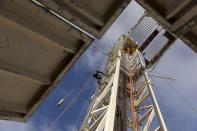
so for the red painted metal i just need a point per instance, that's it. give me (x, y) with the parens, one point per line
(133, 108)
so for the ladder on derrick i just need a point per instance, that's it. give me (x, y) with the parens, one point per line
(112, 101)
(124, 99)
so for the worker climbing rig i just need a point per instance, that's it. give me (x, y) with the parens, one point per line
(124, 98)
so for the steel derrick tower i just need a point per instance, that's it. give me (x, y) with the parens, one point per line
(124, 99)
(118, 103)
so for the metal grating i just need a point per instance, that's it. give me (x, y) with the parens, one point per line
(178, 17)
(155, 47)
(152, 39)
(143, 29)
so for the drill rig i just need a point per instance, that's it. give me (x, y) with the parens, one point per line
(124, 99)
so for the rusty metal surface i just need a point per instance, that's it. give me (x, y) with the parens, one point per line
(37, 48)
(177, 16)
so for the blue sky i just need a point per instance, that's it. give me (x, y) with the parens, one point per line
(179, 109)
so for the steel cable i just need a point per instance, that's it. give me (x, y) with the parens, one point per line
(164, 105)
(70, 104)
(180, 95)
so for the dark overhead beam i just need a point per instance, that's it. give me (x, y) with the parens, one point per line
(32, 76)
(33, 19)
(187, 26)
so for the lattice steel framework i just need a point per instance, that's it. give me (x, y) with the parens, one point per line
(110, 109)
(125, 99)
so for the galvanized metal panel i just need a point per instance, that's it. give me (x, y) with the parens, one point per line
(155, 47)
(177, 16)
(159, 41)
(37, 48)
(143, 29)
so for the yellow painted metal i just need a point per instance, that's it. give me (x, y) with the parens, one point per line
(130, 46)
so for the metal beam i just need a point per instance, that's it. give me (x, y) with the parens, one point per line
(155, 104)
(82, 9)
(97, 122)
(150, 119)
(45, 7)
(24, 74)
(110, 118)
(18, 13)
(154, 100)
(176, 10)
(117, 111)
(98, 111)
(12, 107)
